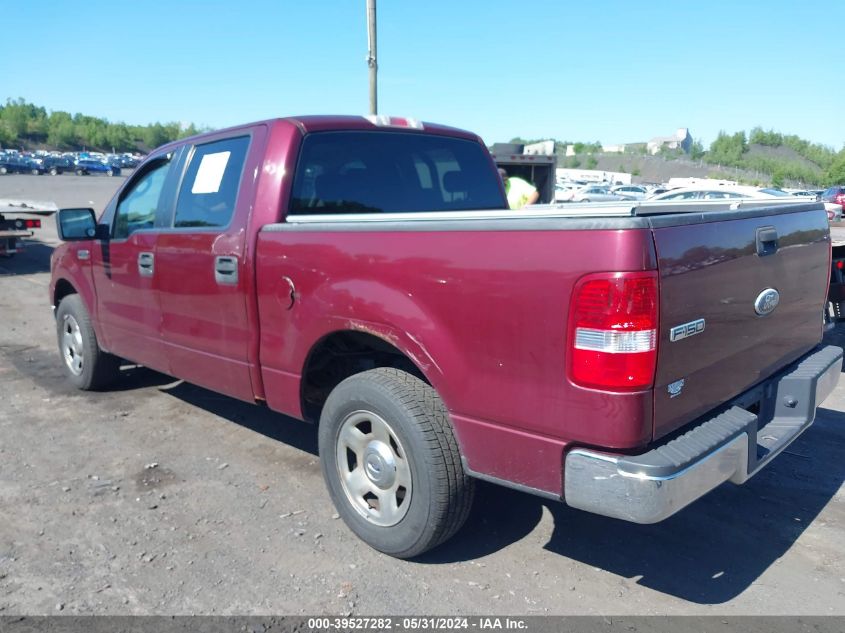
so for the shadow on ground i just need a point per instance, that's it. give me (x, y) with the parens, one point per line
(708, 553)
(275, 426)
(33, 258)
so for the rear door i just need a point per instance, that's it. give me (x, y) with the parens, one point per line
(739, 298)
(204, 279)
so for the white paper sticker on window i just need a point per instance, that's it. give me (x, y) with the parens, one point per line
(210, 173)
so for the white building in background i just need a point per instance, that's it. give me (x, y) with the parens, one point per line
(681, 140)
(592, 175)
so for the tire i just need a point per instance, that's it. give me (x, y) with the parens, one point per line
(585, 200)
(34, 172)
(86, 365)
(393, 430)
(111, 172)
(54, 171)
(4, 170)
(80, 172)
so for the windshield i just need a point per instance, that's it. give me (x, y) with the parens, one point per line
(393, 172)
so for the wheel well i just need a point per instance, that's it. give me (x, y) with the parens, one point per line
(63, 289)
(340, 355)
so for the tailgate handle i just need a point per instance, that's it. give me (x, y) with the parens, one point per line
(767, 241)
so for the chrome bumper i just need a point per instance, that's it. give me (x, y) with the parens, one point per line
(732, 446)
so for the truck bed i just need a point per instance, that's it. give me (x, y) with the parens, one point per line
(481, 301)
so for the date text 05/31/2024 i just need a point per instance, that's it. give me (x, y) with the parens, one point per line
(416, 623)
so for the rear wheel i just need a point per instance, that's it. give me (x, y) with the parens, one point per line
(34, 172)
(85, 364)
(392, 464)
(54, 171)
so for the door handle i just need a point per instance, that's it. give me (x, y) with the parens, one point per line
(146, 264)
(226, 270)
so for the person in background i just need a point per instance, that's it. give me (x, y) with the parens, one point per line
(519, 192)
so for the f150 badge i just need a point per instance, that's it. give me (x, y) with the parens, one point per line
(675, 388)
(686, 330)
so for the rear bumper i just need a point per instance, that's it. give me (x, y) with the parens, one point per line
(733, 445)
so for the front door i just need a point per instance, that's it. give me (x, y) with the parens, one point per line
(126, 273)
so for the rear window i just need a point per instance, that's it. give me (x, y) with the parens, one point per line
(393, 172)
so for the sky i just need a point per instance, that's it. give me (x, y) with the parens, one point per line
(608, 71)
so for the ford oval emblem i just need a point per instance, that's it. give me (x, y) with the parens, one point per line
(766, 301)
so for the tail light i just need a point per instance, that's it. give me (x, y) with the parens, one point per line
(28, 224)
(613, 331)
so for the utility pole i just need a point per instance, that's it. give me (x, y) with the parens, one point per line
(372, 60)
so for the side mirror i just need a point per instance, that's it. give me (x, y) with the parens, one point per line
(78, 224)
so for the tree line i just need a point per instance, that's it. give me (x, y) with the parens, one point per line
(24, 124)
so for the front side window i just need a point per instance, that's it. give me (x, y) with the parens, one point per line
(393, 172)
(137, 207)
(210, 187)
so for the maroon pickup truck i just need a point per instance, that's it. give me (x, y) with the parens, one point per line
(365, 274)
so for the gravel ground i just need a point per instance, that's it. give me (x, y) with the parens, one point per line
(161, 497)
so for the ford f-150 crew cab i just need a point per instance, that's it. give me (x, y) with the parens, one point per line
(364, 273)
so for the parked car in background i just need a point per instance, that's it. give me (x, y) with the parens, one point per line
(700, 193)
(835, 194)
(126, 162)
(55, 165)
(597, 193)
(833, 207)
(834, 210)
(631, 191)
(20, 164)
(85, 166)
(565, 191)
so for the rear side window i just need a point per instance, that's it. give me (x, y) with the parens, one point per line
(393, 172)
(210, 186)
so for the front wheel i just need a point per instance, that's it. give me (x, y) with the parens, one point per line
(85, 364)
(392, 464)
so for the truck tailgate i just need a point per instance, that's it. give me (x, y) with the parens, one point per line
(711, 276)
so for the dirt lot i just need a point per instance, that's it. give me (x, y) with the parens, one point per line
(161, 497)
